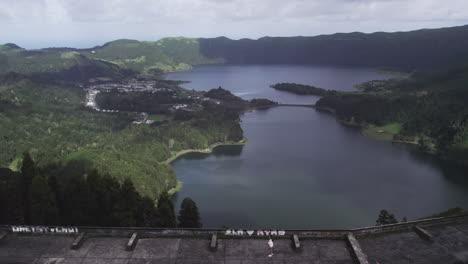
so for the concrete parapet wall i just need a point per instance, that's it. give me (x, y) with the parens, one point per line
(286, 234)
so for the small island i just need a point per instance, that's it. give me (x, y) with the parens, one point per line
(300, 89)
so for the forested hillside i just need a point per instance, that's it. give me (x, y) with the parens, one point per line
(426, 48)
(167, 54)
(420, 49)
(430, 109)
(42, 196)
(53, 124)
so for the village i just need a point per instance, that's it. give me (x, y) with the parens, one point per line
(177, 93)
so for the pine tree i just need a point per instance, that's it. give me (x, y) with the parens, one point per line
(166, 211)
(96, 191)
(128, 203)
(147, 213)
(76, 203)
(43, 205)
(189, 216)
(386, 218)
(28, 170)
(11, 197)
(56, 189)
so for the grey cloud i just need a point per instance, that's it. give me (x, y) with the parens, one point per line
(84, 21)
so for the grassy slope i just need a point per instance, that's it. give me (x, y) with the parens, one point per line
(52, 123)
(384, 133)
(168, 54)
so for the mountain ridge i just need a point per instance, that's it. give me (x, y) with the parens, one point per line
(409, 50)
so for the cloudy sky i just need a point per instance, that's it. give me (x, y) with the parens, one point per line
(86, 23)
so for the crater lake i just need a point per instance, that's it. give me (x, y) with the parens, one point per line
(300, 168)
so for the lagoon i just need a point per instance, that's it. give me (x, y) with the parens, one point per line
(301, 168)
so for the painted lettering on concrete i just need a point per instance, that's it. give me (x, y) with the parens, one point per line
(233, 232)
(44, 229)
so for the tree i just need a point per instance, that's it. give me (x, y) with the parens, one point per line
(77, 203)
(11, 197)
(127, 204)
(189, 216)
(386, 218)
(147, 213)
(166, 211)
(109, 192)
(43, 204)
(56, 190)
(28, 170)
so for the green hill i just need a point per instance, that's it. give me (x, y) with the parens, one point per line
(52, 123)
(114, 59)
(426, 48)
(168, 54)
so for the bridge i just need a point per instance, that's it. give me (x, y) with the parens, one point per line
(437, 240)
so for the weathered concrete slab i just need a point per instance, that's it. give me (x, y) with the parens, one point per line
(246, 249)
(151, 261)
(463, 228)
(154, 248)
(309, 250)
(334, 250)
(59, 247)
(397, 244)
(199, 249)
(450, 237)
(403, 248)
(59, 261)
(23, 246)
(103, 261)
(17, 260)
(106, 247)
(199, 261)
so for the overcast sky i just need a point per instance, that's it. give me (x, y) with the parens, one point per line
(86, 23)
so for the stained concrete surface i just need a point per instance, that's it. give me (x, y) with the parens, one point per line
(55, 249)
(449, 245)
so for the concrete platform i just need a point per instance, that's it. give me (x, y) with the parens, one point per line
(388, 244)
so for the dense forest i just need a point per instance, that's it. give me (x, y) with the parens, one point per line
(53, 124)
(300, 89)
(425, 48)
(431, 108)
(42, 196)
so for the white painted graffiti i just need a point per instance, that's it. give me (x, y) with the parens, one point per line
(44, 229)
(232, 232)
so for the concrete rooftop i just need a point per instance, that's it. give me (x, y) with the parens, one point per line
(441, 241)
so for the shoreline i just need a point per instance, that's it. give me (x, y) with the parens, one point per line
(207, 150)
(363, 128)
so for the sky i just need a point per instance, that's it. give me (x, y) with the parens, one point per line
(87, 23)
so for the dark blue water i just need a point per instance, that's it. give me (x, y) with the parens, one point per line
(253, 81)
(302, 169)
